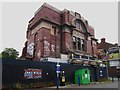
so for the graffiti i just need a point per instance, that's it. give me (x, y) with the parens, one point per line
(30, 49)
(67, 46)
(53, 48)
(57, 49)
(32, 73)
(39, 54)
(49, 47)
(46, 48)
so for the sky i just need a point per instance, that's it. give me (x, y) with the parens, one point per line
(103, 16)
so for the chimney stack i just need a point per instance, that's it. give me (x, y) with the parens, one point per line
(103, 40)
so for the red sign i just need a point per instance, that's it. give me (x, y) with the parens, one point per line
(32, 73)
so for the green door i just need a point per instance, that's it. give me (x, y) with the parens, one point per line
(77, 73)
(84, 75)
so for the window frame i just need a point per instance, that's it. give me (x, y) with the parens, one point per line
(78, 45)
(53, 31)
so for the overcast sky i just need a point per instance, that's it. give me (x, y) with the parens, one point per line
(103, 16)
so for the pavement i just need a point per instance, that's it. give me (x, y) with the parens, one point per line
(109, 84)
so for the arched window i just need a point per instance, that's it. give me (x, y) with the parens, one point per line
(80, 35)
(80, 25)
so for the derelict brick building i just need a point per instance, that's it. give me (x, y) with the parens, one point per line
(54, 33)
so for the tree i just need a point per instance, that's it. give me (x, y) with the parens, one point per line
(9, 53)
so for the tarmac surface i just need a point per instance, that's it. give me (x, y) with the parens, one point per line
(114, 84)
(92, 86)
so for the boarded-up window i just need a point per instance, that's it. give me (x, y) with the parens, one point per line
(53, 31)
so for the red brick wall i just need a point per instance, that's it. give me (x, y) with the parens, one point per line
(67, 42)
(91, 31)
(66, 17)
(44, 35)
(71, 17)
(95, 49)
(49, 13)
(89, 48)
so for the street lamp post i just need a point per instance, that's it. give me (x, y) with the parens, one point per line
(57, 72)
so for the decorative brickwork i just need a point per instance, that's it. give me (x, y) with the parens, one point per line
(52, 32)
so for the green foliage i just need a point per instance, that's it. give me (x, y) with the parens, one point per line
(18, 86)
(9, 53)
(114, 56)
(104, 80)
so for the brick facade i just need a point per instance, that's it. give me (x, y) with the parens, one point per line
(52, 32)
(103, 47)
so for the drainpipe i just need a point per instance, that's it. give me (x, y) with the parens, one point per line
(55, 43)
(61, 34)
(43, 48)
(34, 46)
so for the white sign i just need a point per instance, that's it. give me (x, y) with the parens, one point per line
(32, 73)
